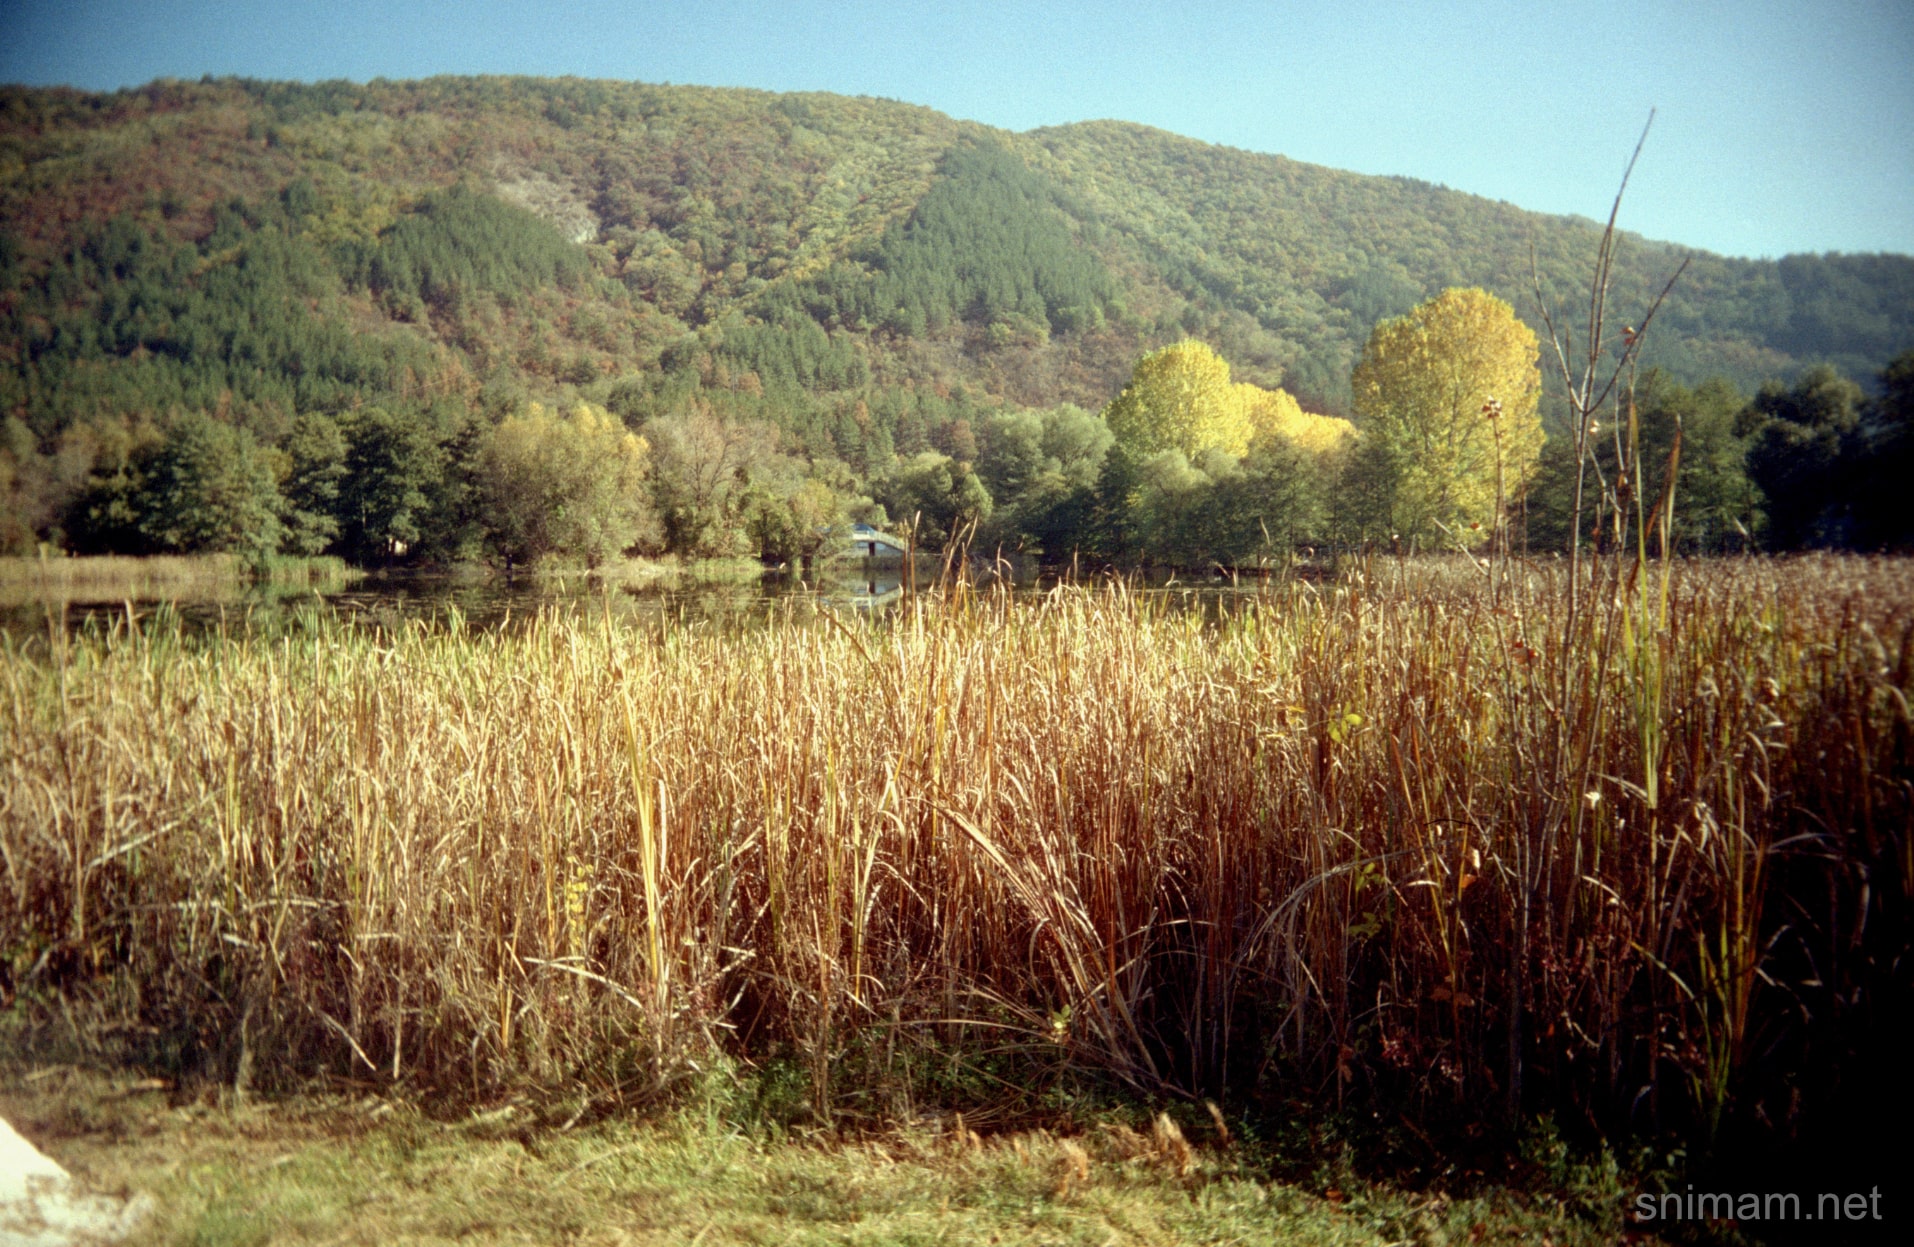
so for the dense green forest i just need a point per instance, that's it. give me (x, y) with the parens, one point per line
(282, 317)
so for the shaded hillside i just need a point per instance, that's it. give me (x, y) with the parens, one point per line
(864, 276)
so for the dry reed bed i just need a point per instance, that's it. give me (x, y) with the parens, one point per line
(44, 582)
(1406, 833)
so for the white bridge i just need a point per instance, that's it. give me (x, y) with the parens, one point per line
(865, 542)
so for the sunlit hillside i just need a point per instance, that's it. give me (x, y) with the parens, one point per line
(923, 242)
(361, 275)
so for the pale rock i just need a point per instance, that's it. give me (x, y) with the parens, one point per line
(41, 1205)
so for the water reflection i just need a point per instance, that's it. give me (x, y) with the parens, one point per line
(483, 600)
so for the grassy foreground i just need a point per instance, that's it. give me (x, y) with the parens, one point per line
(1636, 854)
(340, 1169)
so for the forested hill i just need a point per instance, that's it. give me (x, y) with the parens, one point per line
(861, 274)
(1315, 256)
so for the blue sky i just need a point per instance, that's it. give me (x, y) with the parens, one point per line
(1782, 126)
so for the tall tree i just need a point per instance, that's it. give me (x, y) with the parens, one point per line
(1040, 467)
(394, 465)
(1799, 440)
(211, 488)
(314, 455)
(701, 466)
(1180, 398)
(1716, 506)
(565, 485)
(939, 495)
(1447, 398)
(1275, 415)
(1887, 509)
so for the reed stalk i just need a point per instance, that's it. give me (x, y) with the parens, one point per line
(1344, 842)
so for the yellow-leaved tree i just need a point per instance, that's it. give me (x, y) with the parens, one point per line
(566, 485)
(1206, 469)
(1180, 398)
(1446, 399)
(1277, 414)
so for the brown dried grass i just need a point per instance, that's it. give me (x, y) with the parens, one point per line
(1404, 832)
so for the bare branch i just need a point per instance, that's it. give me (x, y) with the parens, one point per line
(1633, 349)
(1605, 257)
(1548, 322)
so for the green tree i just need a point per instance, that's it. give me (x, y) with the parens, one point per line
(1237, 512)
(1170, 504)
(1446, 397)
(394, 465)
(941, 495)
(701, 467)
(789, 524)
(210, 488)
(100, 515)
(1800, 439)
(314, 455)
(1040, 467)
(791, 509)
(1258, 510)
(1716, 505)
(1886, 463)
(1371, 477)
(565, 485)
(32, 493)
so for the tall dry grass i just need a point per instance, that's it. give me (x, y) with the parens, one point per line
(1410, 833)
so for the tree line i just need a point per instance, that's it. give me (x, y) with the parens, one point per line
(1186, 466)
(881, 298)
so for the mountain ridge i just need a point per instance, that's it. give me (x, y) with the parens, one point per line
(862, 275)
(1069, 142)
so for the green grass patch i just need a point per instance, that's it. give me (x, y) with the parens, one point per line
(355, 1168)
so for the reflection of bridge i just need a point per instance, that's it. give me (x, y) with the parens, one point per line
(870, 594)
(866, 542)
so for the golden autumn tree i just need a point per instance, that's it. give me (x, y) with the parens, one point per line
(1204, 468)
(1277, 414)
(1446, 397)
(1180, 398)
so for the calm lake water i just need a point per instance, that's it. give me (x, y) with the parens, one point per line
(383, 601)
